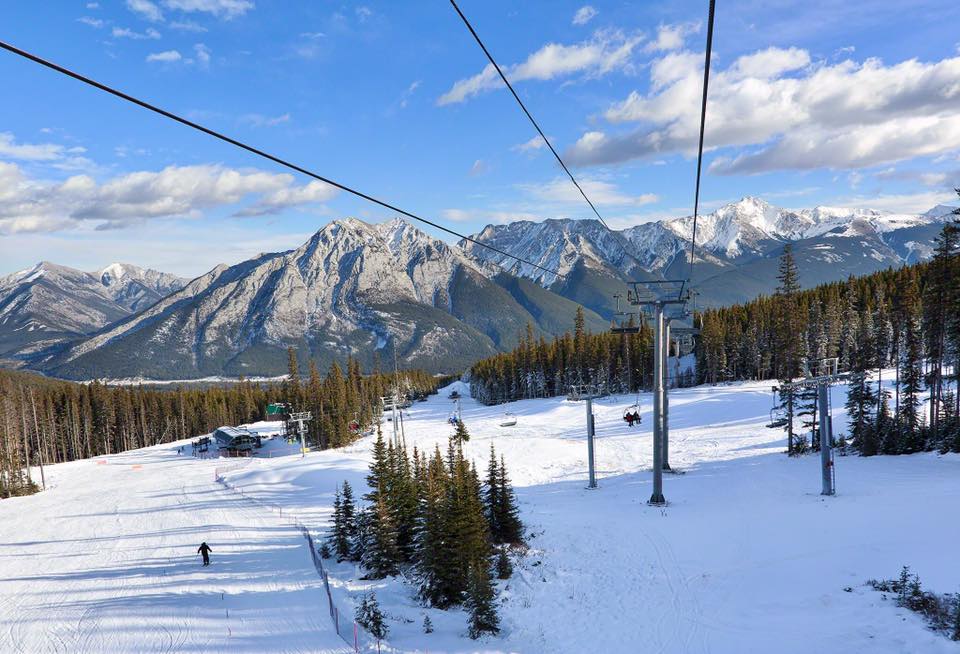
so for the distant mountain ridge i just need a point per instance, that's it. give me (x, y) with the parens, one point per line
(369, 291)
(48, 303)
(379, 291)
(735, 245)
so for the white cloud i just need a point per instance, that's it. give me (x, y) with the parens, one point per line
(187, 26)
(408, 93)
(260, 120)
(313, 193)
(601, 193)
(457, 215)
(898, 203)
(671, 37)
(796, 114)
(606, 51)
(479, 167)
(202, 54)
(96, 23)
(363, 13)
(226, 9)
(534, 144)
(145, 9)
(29, 151)
(93, 5)
(167, 56)
(28, 204)
(125, 33)
(584, 15)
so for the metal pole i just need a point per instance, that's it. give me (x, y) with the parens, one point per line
(826, 437)
(656, 497)
(396, 440)
(590, 461)
(665, 429)
(303, 440)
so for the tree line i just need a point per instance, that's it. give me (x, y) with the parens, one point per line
(431, 515)
(906, 319)
(620, 363)
(44, 421)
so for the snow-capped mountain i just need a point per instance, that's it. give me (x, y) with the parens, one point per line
(137, 288)
(352, 289)
(737, 240)
(49, 303)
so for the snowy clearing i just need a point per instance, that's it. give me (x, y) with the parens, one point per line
(747, 556)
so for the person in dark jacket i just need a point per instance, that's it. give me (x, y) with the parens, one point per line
(205, 550)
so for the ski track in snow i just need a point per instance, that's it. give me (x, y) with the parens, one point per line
(746, 557)
(105, 561)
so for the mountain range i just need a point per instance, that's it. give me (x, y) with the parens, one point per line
(390, 291)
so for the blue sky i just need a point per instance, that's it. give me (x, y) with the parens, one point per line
(811, 103)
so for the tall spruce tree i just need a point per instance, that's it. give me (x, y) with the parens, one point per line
(481, 601)
(910, 375)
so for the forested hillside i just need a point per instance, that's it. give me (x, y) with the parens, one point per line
(907, 319)
(49, 421)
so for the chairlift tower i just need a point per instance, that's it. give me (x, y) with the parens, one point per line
(588, 392)
(302, 418)
(657, 296)
(827, 375)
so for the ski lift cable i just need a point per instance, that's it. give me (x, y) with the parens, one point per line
(703, 118)
(261, 153)
(536, 126)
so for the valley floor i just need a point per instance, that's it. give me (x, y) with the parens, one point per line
(747, 556)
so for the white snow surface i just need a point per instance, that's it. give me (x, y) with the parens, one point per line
(747, 556)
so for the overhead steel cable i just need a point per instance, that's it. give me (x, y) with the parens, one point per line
(266, 155)
(703, 120)
(623, 242)
(527, 112)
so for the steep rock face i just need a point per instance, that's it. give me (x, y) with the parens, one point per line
(48, 303)
(137, 288)
(370, 291)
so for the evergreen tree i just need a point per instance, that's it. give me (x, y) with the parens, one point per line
(370, 617)
(504, 567)
(427, 625)
(910, 373)
(492, 496)
(460, 433)
(508, 513)
(481, 601)
(860, 405)
(381, 556)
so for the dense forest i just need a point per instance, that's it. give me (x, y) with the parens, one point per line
(45, 421)
(906, 319)
(431, 517)
(621, 363)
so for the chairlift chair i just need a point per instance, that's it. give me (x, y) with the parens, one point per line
(632, 410)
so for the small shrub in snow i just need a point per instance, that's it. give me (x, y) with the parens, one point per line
(942, 612)
(427, 625)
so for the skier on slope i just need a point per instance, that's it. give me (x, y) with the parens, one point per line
(205, 550)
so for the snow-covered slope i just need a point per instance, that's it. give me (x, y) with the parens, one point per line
(747, 556)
